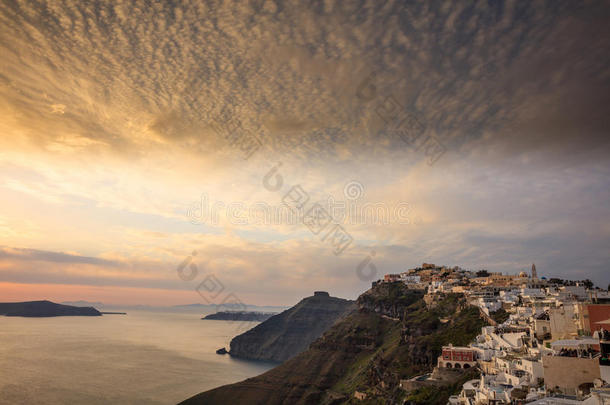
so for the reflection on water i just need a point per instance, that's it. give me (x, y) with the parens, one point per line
(140, 358)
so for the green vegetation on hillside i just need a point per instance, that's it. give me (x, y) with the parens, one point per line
(411, 346)
(500, 315)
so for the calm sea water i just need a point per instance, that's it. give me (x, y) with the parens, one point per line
(140, 358)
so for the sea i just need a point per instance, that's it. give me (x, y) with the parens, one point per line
(144, 357)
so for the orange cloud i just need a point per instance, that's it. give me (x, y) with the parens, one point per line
(105, 294)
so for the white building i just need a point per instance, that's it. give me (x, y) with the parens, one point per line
(409, 279)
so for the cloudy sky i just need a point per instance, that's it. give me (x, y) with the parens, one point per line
(459, 133)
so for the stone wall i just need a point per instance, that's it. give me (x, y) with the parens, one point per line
(568, 373)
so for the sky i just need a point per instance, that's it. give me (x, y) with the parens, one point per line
(197, 152)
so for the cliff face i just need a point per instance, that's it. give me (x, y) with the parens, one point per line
(44, 309)
(392, 336)
(286, 334)
(389, 299)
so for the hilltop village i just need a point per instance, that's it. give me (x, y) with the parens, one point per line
(547, 341)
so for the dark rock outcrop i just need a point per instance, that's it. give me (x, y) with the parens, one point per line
(286, 334)
(389, 299)
(37, 309)
(239, 316)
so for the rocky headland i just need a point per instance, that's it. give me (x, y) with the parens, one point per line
(287, 334)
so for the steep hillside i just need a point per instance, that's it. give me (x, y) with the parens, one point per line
(287, 334)
(393, 336)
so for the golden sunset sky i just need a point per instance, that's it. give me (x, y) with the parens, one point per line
(108, 143)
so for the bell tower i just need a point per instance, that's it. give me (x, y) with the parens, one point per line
(534, 274)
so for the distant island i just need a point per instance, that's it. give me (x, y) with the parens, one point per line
(239, 316)
(39, 309)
